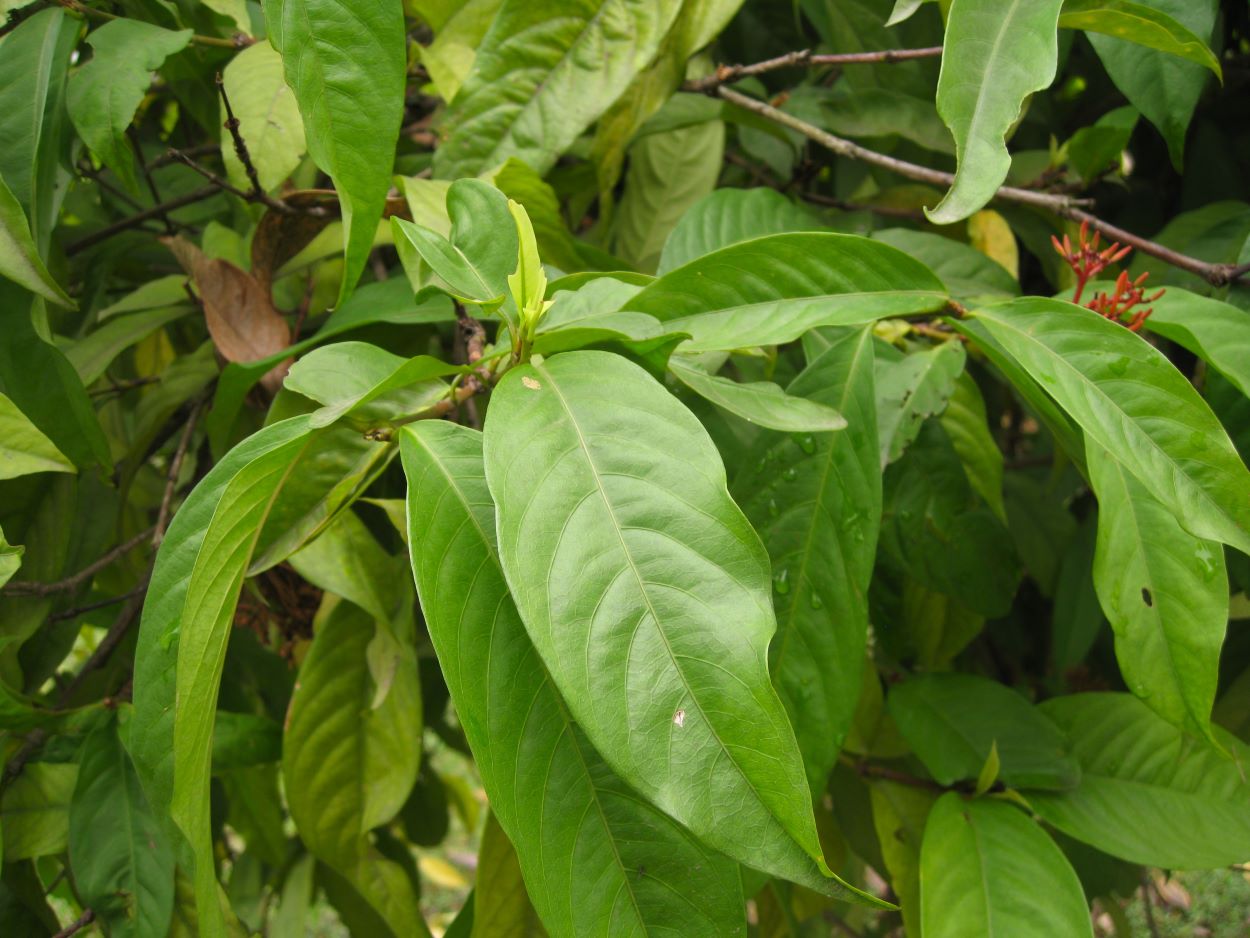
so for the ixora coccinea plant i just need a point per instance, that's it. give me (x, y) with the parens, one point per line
(485, 470)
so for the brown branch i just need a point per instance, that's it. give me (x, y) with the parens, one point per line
(803, 59)
(134, 221)
(237, 41)
(1062, 205)
(885, 773)
(92, 607)
(204, 149)
(240, 145)
(82, 922)
(212, 177)
(71, 583)
(147, 175)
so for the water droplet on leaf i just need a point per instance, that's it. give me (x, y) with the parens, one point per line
(781, 581)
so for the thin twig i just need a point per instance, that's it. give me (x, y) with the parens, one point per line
(121, 387)
(211, 176)
(1063, 205)
(885, 773)
(71, 583)
(112, 638)
(257, 192)
(1149, 908)
(134, 221)
(238, 41)
(171, 479)
(82, 922)
(804, 58)
(147, 175)
(204, 149)
(91, 607)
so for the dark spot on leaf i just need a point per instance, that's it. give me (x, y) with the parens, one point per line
(1146, 597)
(642, 871)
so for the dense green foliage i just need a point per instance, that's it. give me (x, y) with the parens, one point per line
(769, 484)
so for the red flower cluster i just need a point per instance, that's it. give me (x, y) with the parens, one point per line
(1087, 262)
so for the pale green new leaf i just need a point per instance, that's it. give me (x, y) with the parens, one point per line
(123, 862)
(899, 813)
(986, 869)
(816, 502)
(668, 173)
(1165, 593)
(10, 559)
(759, 402)
(185, 627)
(349, 760)
(1130, 399)
(1135, 765)
(449, 58)
(346, 62)
(23, 449)
(268, 116)
(544, 72)
(19, 258)
(648, 596)
(1138, 23)
(996, 53)
(104, 94)
(953, 721)
(550, 790)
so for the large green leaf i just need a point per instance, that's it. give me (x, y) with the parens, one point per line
(19, 258)
(899, 813)
(668, 173)
(1136, 766)
(23, 449)
(548, 787)
(186, 624)
(499, 902)
(34, 811)
(543, 73)
(1165, 593)
(93, 353)
(449, 57)
(656, 635)
(123, 862)
(268, 116)
(1131, 400)
(346, 62)
(1218, 333)
(1164, 87)
(987, 869)
(1139, 23)
(350, 759)
(968, 274)
(104, 94)
(952, 721)
(996, 53)
(816, 502)
(967, 425)
(759, 402)
(728, 216)
(10, 559)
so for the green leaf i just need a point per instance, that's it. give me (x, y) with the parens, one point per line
(1138, 23)
(585, 316)
(1077, 616)
(885, 112)
(1130, 399)
(19, 258)
(624, 496)
(242, 740)
(989, 772)
(986, 869)
(543, 73)
(34, 812)
(528, 282)
(268, 116)
(34, 63)
(1163, 87)
(500, 905)
(347, 65)
(531, 754)
(23, 449)
(816, 502)
(911, 389)
(1165, 593)
(728, 216)
(123, 863)
(104, 94)
(953, 721)
(186, 623)
(93, 353)
(1136, 765)
(449, 58)
(759, 402)
(1094, 149)
(1218, 333)
(967, 426)
(668, 173)
(350, 760)
(10, 559)
(996, 53)
(899, 813)
(967, 273)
